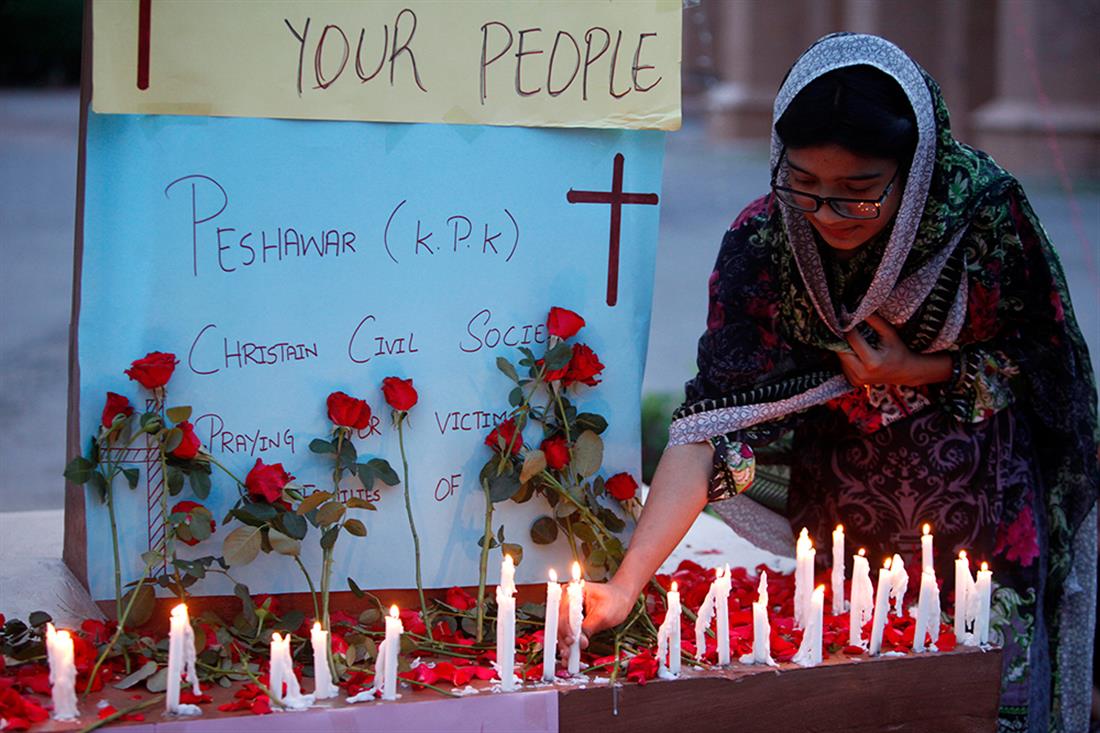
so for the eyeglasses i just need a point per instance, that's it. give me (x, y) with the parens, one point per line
(849, 208)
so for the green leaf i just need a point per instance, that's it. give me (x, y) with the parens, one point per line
(311, 502)
(544, 531)
(381, 468)
(150, 422)
(506, 366)
(179, 414)
(492, 542)
(559, 356)
(99, 484)
(591, 421)
(355, 527)
(503, 487)
(515, 397)
(565, 509)
(587, 454)
(132, 475)
(79, 470)
(151, 558)
(365, 474)
(241, 546)
(158, 681)
(330, 513)
(598, 558)
(358, 502)
(174, 480)
(282, 544)
(200, 483)
(254, 513)
(200, 523)
(355, 588)
(291, 524)
(39, 618)
(328, 539)
(172, 439)
(533, 464)
(516, 551)
(248, 607)
(145, 602)
(144, 672)
(317, 445)
(500, 533)
(290, 621)
(348, 454)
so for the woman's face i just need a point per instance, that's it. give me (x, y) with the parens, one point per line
(830, 170)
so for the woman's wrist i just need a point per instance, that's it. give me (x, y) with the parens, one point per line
(932, 369)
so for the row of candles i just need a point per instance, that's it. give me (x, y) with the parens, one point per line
(972, 609)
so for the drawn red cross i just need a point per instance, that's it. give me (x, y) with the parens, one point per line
(616, 198)
(145, 12)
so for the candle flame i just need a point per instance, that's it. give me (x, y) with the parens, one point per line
(962, 554)
(674, 587)
(553, 575)
(886, 564)
(180, 611)
(394, 613)
(50, 630)
(927, 528)
(508, 559)
(804, 534)
(316, 626)
(576, 571)
(840, 528)
(862, 551)
(985, 566)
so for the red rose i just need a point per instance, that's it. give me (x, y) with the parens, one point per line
(266, 482)
(116, 405)
(153, 370)
(563, 323)
(557, 452)
(584, 367)
(187, 507)
(622, 486)
(554, 374)
(502, 435)
(190, 445)
(399, 393)
(348, 412)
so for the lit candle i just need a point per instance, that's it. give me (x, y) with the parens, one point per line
(863, 601)
(394, 629)
(723, 585)
(838, 570)
(761, 629)
(803, 577)
(506, 625)
(59, 652)
(575, 592)
(809, 652)
(984, 591)
(550, 634)
(899, 584)
(668, 637)
(928, 613)
(882, 607)
(181, 662)
(926, 549)
(323, 689)
(283, 683)
(963, 582)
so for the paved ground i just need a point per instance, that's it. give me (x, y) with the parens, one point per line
(705, 185)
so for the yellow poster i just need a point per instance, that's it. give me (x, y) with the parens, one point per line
(544, 63)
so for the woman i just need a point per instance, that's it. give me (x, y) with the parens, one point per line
(895, 306)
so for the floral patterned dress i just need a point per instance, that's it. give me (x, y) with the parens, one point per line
(1001, 460)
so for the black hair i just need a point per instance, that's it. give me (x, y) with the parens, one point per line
(859, 108)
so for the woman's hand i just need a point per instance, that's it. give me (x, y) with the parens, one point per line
(891, 362)
(605, 605)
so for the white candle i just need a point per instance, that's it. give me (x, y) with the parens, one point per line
(575, 592)
(899, 584)
(928, 613)
(803, 577)
(809, 652)
(723, 585)
(506, 625)
(838, 570)
(668, 637)
(863, 601)
(702, 621)
(761, 628)
(882, 607)
(281, 674)
(394, 629)
(323, 689)
(181, 662)
(550, 634)
(926, 549)
(59, 653)
(963, 582)
(984, 591)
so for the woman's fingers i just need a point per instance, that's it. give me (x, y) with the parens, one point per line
(884, 329)
(853, 368)
(860, 346)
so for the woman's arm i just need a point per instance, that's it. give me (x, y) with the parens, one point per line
(677, 495)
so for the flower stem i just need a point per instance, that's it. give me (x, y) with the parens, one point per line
(424, 610)
(312, 592)
(114, 541)
(122, 713)
(484, 563)
(118, 631)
